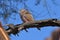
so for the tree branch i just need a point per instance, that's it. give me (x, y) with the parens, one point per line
(35, 24)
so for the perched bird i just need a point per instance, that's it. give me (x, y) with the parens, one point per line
(26, 16)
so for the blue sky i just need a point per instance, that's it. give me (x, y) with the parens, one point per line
(40, 12)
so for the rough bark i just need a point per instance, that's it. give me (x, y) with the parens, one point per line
(35, 24)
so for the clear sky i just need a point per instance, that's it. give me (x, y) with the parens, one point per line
(40, 12)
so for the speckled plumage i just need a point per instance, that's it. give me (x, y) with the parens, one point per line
(26, 16)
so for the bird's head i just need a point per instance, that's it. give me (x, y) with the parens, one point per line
(23, 11)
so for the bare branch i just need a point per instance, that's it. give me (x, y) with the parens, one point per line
(35, 24)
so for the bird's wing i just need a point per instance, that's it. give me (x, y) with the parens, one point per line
(28, 17)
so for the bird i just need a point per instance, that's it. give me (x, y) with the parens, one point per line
(26, 16)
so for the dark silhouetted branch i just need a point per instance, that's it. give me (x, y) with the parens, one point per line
(35, 24)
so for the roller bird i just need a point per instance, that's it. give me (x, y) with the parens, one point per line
(26, 16)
